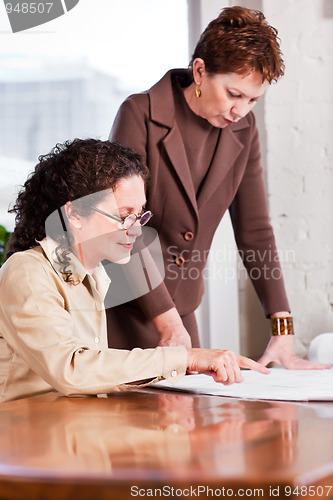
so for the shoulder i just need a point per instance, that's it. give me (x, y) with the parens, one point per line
(26, 257)
(25, 266)
(134, 105)
(28, 278)
(161, 92)
(140, 100)
(148, 112)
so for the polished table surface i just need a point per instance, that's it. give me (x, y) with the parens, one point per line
(181, 445)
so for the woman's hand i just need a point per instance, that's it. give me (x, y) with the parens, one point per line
(171, 329)
(223, 366)
(281, 350)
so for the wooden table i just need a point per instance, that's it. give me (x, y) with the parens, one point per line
(183, 445)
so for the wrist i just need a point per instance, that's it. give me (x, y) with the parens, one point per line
(280, 314)
(191, 359)
(282, 325)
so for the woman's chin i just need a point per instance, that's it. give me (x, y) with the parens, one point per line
(123, 260)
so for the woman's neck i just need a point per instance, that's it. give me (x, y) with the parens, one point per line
(191, 99)
(88, 263)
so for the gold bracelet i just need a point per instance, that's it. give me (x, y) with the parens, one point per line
(282, 326)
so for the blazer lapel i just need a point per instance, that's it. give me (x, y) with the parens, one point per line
(162, 111)
(175, 149)
(228, 149)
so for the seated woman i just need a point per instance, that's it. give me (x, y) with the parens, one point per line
(84, 203)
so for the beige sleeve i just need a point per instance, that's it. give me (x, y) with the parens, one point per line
(44, 335)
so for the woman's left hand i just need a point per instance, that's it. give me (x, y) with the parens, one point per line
(281, 350)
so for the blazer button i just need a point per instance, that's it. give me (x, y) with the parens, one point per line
(188, 236)
(180, 261)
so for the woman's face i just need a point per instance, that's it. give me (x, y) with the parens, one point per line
(225, 98)
(99, 237)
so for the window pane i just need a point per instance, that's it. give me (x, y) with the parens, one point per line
(67, 78)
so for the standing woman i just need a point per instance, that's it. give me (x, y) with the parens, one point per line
(196, 132)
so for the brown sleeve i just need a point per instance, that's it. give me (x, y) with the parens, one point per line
(254, 234)
(130, 125)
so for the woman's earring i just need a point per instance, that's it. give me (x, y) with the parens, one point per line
(197, 92)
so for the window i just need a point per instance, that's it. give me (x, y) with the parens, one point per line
(67, 78)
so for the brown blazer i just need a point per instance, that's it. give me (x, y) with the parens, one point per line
(186, 224)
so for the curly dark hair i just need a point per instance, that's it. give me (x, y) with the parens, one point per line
(70, 171)
(239, 41)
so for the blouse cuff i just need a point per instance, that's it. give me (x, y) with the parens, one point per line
(174, 363)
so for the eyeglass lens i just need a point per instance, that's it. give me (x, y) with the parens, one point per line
(132, 218)
(145, 218)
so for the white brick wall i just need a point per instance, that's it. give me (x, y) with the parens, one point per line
(299, 157)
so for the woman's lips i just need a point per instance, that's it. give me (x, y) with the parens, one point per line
(128, 246)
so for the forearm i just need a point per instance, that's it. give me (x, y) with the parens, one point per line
(167, 320)
(255, 237)
(171, 330)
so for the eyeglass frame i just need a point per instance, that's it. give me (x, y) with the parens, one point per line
(122, 220)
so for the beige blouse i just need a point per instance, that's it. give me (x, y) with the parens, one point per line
(53, 333)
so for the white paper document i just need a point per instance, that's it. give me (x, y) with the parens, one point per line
(280, 384)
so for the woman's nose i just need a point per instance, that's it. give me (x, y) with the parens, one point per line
(135, 230)
(241, 109)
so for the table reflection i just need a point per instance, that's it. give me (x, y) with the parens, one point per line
(148, 430)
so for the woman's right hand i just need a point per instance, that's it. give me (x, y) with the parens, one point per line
(224, 366)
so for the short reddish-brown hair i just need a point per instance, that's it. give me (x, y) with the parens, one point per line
(240, 41)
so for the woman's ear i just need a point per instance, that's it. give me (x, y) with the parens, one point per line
(73, 218)
(198, 70)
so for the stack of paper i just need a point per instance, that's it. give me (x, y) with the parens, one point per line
(280, 384)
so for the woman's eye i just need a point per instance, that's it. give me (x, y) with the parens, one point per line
(233, 95)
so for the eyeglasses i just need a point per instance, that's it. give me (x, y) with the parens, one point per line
(128, 221)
